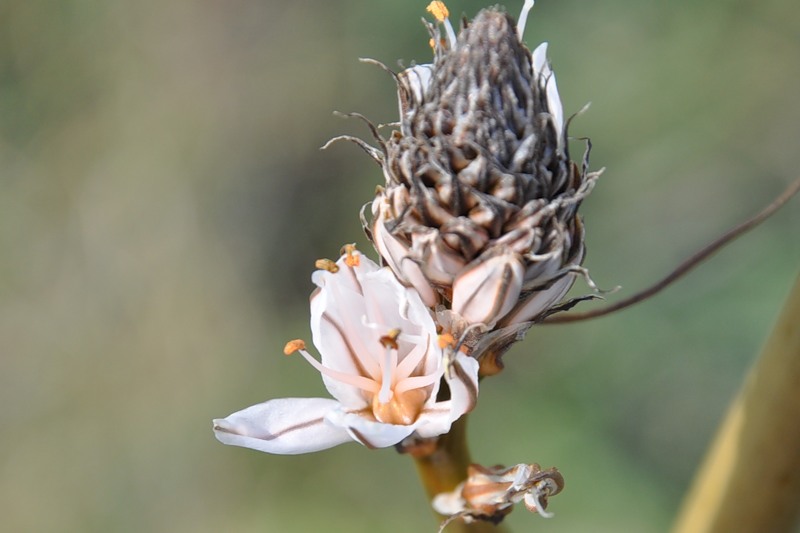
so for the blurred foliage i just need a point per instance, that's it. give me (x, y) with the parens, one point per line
(162, 199)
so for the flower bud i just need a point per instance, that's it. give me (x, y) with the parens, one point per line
(487, 290)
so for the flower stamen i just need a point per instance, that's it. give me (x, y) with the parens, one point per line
(446, 340)
(441, 14)
(361, 382)
(326, 264)
(293, 346)
(351, 255)
(389, 341)
(415, 382)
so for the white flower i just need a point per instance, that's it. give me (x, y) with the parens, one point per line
(380, 360)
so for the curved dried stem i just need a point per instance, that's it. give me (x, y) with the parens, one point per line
(682, 269)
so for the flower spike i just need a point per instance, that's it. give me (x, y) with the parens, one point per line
(479, 209)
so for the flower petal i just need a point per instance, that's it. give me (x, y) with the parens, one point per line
(370, 433)
(541, 67)
(284, 426)
(396, 255)
(412, 84)
(462, 378)
(337, 331)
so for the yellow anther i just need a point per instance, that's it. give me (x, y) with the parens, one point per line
(293, 346)
(446, 340)
(390, 339)
(351, 255)
(326, 264)
(432, 43)
(438, 10)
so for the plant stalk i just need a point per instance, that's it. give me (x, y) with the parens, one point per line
(442, 469)
(750, 480)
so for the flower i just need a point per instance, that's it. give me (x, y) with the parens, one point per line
(380, 359)
(490, 493)
(479, 208)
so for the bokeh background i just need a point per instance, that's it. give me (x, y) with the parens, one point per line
(163, 198)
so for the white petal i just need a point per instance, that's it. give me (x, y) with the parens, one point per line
(338, 338)
(417, 79)
(368, 432)
(487, 290)
(386, 301)
(396, 255)
(541, 67)
(523, 18)
(345, 344)
(540, 59)
(284, 426)
(462, 377)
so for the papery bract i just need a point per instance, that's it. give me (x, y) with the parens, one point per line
(490, 493)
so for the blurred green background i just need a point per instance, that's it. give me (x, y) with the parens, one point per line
(163, 198)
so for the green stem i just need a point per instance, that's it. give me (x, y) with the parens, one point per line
(750, 481)
(443, 468)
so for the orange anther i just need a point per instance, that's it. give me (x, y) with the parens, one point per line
(446, 340)
(390, 339)
(438, 10)
(326, 264)
(351, 255)
(293, 346)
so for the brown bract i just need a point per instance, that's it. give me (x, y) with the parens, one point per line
(479, 208)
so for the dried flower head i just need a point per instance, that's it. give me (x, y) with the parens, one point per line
(479, 208)
(490, 493)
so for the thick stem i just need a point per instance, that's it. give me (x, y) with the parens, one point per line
(444, 468)
(750, 481)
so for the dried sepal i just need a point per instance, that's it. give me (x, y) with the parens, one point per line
(490, 493)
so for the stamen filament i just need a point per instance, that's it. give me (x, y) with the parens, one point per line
(412, 358)
(360, 382)
(389, 364)
(415, 382)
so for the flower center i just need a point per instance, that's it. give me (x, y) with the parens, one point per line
(403, 409)
(396, 396)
